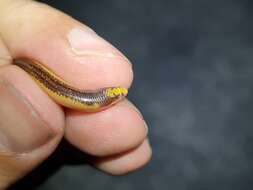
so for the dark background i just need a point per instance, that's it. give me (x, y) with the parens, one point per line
(194, 84)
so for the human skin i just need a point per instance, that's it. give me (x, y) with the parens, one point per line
(32, 124)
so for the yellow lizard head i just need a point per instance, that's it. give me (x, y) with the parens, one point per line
(116, 92)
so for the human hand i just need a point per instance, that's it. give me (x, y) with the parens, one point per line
(32, 124)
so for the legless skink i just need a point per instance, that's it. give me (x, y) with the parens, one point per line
(66, 95)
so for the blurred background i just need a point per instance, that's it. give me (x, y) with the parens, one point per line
(193, 63)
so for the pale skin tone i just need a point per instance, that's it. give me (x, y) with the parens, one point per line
(32, 124)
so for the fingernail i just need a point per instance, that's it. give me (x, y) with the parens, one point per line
(86, 42)
(146, 126)
(144, 122)
(21, 128)
(139, 113)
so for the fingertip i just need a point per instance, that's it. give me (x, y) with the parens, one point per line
(126, 162)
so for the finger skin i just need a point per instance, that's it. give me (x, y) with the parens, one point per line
(109, 132)
(14, 167)
(125, 162)
(5, 57)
